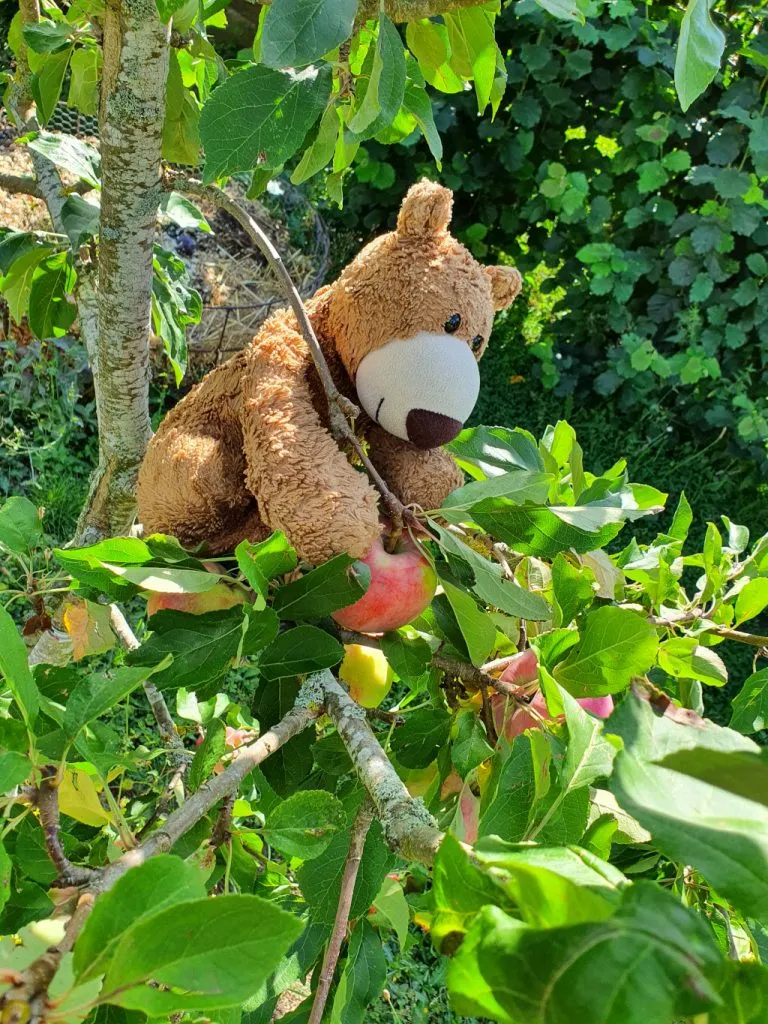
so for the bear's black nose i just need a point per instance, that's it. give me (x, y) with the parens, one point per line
(430, 429)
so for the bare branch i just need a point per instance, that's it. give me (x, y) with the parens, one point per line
(165, 723)
(48, 808)
(411, 10)
(362, 823)
(340, 408)
(21, 184)
(408, 826)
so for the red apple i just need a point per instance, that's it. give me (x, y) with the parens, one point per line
(214, 600)
(402, 585)
(524, 669)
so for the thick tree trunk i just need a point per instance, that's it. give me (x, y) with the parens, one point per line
(131, 124)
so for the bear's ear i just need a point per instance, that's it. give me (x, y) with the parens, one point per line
(426, 209)
(505, 285)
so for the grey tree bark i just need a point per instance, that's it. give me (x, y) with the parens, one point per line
(130, 125)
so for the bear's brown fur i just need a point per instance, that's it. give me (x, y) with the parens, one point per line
(248, 449)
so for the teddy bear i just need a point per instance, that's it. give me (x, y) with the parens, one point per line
(249, 451)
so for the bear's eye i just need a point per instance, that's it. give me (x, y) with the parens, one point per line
(453, 323)
(477, 342)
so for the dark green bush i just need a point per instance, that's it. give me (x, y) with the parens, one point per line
(647, 226)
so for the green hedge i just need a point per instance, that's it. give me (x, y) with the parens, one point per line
(647, 226)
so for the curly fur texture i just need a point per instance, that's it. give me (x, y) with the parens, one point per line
(248, 449)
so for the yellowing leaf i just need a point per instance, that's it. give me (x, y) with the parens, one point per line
(79, 798)
(88, 627)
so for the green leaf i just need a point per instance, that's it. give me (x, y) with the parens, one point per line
(47, 82)
(552, 886)
(508, 813)
(14, 769)
(567, 10)
(408, 656)
(573, 589)
(425, 732)
(165, 579)
(167, 8)
(520, 486)
(683, 658)
(181, 126)
(335, 584)
(80, 218)
(260, 116)
(737, 771)
(539, 531)
(182, 211)
(304, 824)
(491, 451)
(85, 73)
(208, 754)
(392, 904)
(682, 519)
(363, 976)
(297, 32)
(119, 550)
(723, 836)
(46, 36)
(321, 151)
(17, 282)
(459, 890)
(299, 651)
(80, 158)
(470, 746)
(146, 889)
(653, 959)
(320, 878)
(752, 599)
(428, 42)
(15, 670)
(744, 995)
(699, 52)
(15, 244)
(473, 48)
(489, 583)
(417, 103)
(202, 645)
(20, 526)
(218, 952)
(96, 694)
(384, 95)
(616, 645)
(476, 626)
(749, 709)
(51, 314)
(6, 867)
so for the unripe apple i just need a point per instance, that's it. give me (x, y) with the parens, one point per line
(402, 585)
(366, 672)
(218, 598)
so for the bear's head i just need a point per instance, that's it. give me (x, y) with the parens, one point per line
(411, 316)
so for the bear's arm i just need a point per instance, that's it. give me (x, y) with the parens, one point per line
(417, 477)
(301, 479)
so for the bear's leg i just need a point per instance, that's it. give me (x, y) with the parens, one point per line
(418, 477)
(192, 486)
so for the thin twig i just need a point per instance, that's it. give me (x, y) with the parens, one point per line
(48, 808)
(222, 828)
(27, 184)
(165, 723)
(362, 823)
(340, 408)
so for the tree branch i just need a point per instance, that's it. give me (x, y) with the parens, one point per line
(408, 826)
(339, 407)
(411, 10)
(48, 808)
(25, 1000)
(360, 828)
(165, 723)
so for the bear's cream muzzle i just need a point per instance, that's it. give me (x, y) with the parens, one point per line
(421, 389)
